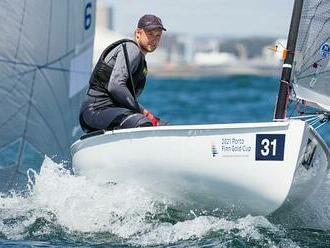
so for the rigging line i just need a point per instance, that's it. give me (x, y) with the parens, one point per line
(310, 23)
(294, 110)
(314, 121)
(321, 125)
(307, 117)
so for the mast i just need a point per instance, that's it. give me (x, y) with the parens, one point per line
(284, 91)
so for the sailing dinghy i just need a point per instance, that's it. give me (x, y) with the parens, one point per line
(253, 168)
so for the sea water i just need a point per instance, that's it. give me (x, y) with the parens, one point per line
(63, 210)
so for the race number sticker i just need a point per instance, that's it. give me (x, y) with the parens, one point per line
(270, 147)
(237, 145)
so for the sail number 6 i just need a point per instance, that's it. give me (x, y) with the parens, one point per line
(88, 15)
(270, 147)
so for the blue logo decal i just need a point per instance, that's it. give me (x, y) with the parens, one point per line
(270, 147)
(325, 50)
(214, 150)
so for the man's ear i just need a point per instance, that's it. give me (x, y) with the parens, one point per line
(138, 32)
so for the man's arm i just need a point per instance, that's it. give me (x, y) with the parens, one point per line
(117, 84)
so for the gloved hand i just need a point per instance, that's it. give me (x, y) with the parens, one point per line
(154, 120)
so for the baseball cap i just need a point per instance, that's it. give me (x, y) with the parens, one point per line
(150, 22)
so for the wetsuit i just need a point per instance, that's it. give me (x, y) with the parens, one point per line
(110, 102)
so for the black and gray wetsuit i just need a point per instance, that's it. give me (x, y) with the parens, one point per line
(110, 102)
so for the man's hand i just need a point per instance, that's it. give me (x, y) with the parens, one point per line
(154, 120)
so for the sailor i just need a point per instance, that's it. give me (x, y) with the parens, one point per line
(118, 80)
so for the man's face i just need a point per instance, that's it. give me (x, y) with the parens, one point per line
(148, 40)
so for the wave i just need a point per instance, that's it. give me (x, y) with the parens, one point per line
(68, 208)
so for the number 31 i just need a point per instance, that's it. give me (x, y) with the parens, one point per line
(267, 146)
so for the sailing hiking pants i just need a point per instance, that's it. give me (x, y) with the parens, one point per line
(111, 118)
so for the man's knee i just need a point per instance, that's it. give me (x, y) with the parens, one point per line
(135, 120)
(144, 122)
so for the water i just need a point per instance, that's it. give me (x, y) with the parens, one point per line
(63, 210)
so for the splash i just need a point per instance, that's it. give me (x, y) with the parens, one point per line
(247, 228)
(78, 205)
(61, 206)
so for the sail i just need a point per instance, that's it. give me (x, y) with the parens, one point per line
(45, 63)
(311, 69)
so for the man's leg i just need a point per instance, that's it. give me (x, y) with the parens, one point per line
(135, 120)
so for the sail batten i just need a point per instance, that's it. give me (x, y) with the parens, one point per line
(311, 69)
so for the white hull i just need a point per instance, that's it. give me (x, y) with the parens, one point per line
(229, 166)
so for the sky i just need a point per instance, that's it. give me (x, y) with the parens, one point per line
(233, 18)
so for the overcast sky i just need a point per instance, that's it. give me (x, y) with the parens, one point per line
(200, 17)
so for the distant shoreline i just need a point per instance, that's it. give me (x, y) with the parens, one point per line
(184, 71)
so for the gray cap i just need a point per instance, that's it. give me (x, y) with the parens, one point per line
(150, 22)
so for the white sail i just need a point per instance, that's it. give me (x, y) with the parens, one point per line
(311, 71)
(45, 63)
